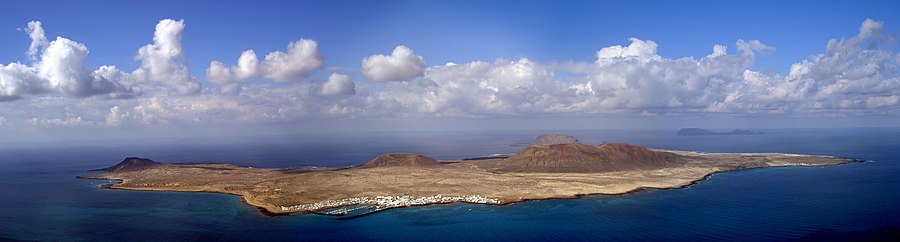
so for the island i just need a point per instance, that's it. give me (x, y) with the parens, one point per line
(550, 139)
(554, 139)
(562, 169)
(699, 131)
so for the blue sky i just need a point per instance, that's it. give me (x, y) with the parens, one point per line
(562, 38)
(457, 31)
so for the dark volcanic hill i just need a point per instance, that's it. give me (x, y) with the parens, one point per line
(131, 164)
(586, 158)
(401, 159)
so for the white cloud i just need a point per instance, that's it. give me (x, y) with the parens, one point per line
(871, 29)
(882, 101)
(475, 88)
(301, 59)
(218, 73)
(638, 49)
(17, 80)
(853, 76)
(38, 39)
(338, 84)
(153, 111)
(163, 61)
(401, 65)
(853, 73)
(752, 47)
(623, 80)
(116, 116)
(850, 71)
(631, 80)
(62, 64)
(718, 50)
(71, 121)
(58, 68)
(635, 78)
(248, 67)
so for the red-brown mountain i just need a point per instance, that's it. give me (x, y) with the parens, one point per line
(401, 159)
(586, 158)
(131, 164)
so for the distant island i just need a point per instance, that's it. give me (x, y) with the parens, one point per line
(699, 131)
(554, 139)
(550, 139)
(561, 169)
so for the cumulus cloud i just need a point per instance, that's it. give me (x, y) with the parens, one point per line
(38, 39)
(59, 67)
(62, 64)
(116, 115)
(638, 49)
(854, 75)
(752, 47)
(17, 79)
(636, 78)
(301, 59)
(338, 84)
(71, 121)
(247, 67)
(163, 61)
(401, 65)
(257, 103)
(478, 88)
(218, 73)
(856, 70)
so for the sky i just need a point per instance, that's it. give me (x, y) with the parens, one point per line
(98, 69)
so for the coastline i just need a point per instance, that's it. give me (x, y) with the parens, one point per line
(243, 199)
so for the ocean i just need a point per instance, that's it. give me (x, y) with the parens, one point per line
(41, 200)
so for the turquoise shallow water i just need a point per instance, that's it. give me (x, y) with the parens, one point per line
(41, 200)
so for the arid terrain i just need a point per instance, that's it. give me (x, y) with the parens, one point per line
(398, 180)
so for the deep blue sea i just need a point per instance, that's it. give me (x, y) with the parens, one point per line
(40, 199)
